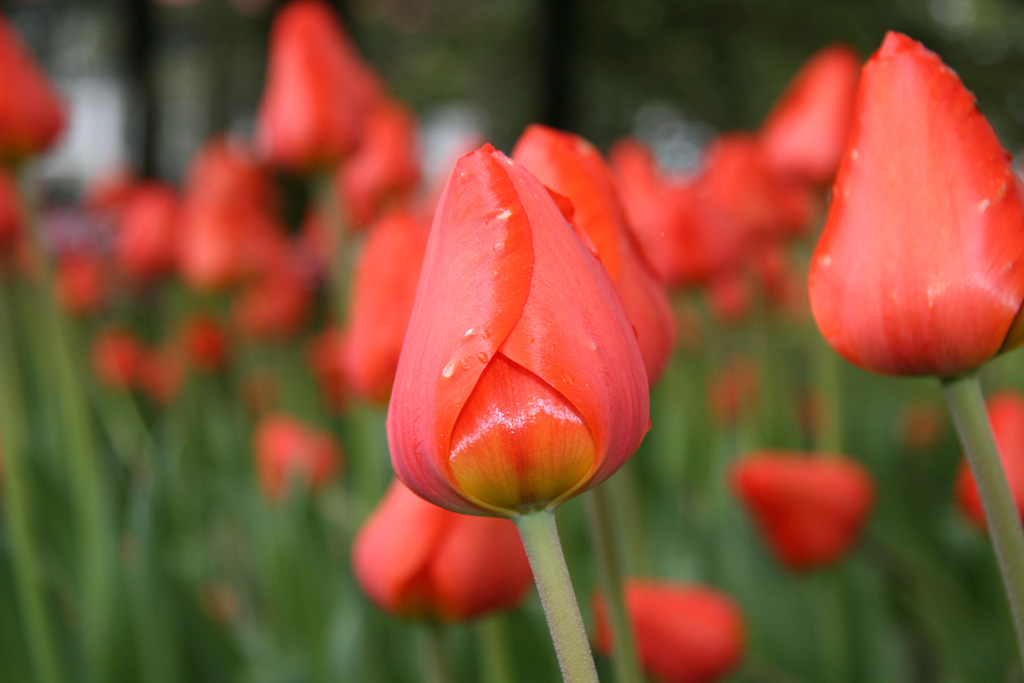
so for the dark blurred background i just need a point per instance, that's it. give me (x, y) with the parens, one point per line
(148, 81)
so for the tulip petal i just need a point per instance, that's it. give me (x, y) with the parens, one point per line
(920, 268)
(464, 310)
(606, 382)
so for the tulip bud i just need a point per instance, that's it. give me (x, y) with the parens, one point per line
(31, 113)
(287, 449)
(115, 358)
(810, 509)
(1006, 415)
(159, 373)
(572, 167)
(385, 167)
(383, 291)
(205, 342)
(804, 134)
(81, 286)
(686, 238)
(415, 559)
(147, 234)
(520, 382)
(318, 90)
(920, 267)
(684, 634)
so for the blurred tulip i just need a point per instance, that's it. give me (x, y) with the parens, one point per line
(276, 304)
(81, 283)
(736, 179)
(810, 509)
(109, 194)
(572, 167)
(148, 230)
(729, 295)
(159, 373)
(684, 634)
(205, 342)
(385, 167)
(318, 90)
(686, 239)
(733, 389)
(115, 358)
(327, 359)
(921, 424)
(1006, 415)
(383, 290)
(31, 112)
(417, 560)
(287, 449)
(498, 373)
(224, 170)
(804, 134)
(920, 268)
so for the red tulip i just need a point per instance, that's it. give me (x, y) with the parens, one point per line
(287, 449)
(920, 268)
(31, 112)
(385, 167)
(159, 373)
(1006, 415)
(115, 358)
(920, 425)
(685, 238)
(572, 167)
(804, 134)
(735, 178)
(383, 290)
(147, 234)
(205, 342)
(733, 389)
(811, 509)
(318, 90)
(276, 304)
(415, 559)
(81, 283)
(684, 634)
(109, 194)
(518, 349)
(225, 170)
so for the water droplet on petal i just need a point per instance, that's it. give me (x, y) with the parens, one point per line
(483, 357)
(448, 370)
(499, 247)
(465, 364)
(486, 334)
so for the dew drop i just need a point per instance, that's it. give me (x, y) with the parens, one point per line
(448, 370)
(486, 334)
(483, 357)
(465, 364)
(499, 247)
(983, 204)
(469, 332)
(504, 215)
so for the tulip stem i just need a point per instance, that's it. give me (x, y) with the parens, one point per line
(967, 404)
(497, 668)
(432, 651)
(92, 523)
(334, 224)
(610, 580)
(18, 512)
(540, 538)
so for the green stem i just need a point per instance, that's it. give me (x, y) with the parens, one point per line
(966, 403)
(828, 377)
(540, 538)
(497, 668)
(18, 509)
(334, 223)
(832, 625)
(602, 528)
(95, 544)
(435, 669)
